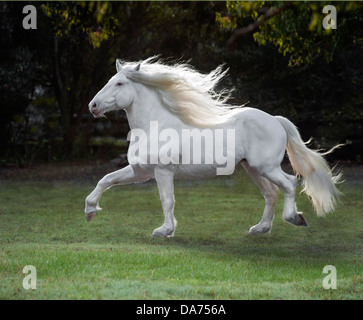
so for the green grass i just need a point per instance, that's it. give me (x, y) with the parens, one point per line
(211, 257)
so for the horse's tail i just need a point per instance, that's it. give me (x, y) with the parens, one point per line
(319, 181)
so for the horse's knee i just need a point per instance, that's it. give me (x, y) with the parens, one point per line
(292, 183)
(168, 204)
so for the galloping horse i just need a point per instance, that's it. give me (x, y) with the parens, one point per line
(167, 106)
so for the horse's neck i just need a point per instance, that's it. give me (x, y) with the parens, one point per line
(147, 107)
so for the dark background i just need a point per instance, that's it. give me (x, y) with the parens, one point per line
(285, 64)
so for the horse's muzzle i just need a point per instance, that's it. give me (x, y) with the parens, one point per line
(93, 109)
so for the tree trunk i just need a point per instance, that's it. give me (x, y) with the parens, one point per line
(62, 98)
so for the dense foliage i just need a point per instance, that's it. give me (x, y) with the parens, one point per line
(280, 59)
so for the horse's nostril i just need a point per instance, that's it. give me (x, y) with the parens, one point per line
(94, 106)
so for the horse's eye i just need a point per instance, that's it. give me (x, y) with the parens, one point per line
(119, 83)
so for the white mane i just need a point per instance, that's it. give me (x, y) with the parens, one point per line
(185, 92)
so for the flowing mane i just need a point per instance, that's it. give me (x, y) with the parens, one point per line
(185, 92)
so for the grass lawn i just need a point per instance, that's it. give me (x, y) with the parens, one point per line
(211, 257)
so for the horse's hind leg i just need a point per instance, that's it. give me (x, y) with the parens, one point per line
(165, 181)
(270, 192)
(288, 184)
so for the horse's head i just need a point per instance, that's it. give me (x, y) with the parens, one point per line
(117, 94)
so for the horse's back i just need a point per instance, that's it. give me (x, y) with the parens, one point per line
(258, 137)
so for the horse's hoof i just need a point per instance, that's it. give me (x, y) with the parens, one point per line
(162, 232)
(257, 229)
(297, 220)
(91, 215)
(156, 234)
(302, 221)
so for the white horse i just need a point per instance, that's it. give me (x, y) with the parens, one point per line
(163, 102)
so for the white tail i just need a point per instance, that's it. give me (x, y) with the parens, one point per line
(320, 183)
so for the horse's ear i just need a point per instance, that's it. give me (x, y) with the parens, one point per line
(137, 68)
(118, 65)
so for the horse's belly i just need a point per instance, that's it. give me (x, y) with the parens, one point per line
(200, 171)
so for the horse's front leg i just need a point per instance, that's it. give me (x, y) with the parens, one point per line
(124, 176)
(165, 181)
